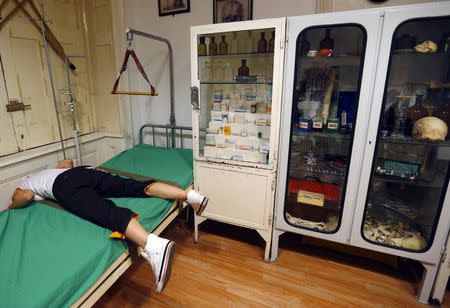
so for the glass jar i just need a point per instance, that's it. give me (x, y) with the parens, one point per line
(431, 101)
(212, 47)
(317, 121)
(327, 42)
(201, 48)
(443, 113)
(223, 46)
(234, 43)
(243, 69)
(304, 45)
(262, 43)
(271, 42)
(413, 114)
(397, 112)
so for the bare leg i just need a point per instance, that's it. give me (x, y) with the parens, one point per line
(165, 191)
(136, 233)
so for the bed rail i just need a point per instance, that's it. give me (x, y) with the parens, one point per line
(165, 130)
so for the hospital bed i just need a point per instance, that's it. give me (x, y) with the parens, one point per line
(51, 258)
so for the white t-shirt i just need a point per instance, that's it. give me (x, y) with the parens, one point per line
(41, 184)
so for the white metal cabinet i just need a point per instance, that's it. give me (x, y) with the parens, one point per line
(381, 26)
(370, 21)
(430, 256)
(236, 127)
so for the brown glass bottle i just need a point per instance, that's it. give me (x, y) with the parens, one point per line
(223, 46)
(413, 114)
(271, 42)
(327, 42)
(212, 47)
(431, 101)
(243, 69)
(262, 43)
(201, 48)
(304, 45)
(443, 113)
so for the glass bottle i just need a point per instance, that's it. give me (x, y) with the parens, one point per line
(272, 42)
(212, 48)
(206, 72)
(223, 46)
(327, 42)
(304, 123)
(201, 48)
(228, 72)
(262, 43)
(249, 42)
(317, 122)
(234, 43)
(304, 45)
(431, 101)
(443, 113)
(397, 114)
(332, 125)
(243, 69)
(413, 114)
(444, 43)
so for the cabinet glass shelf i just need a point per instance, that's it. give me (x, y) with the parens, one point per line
(231, 82)
(416, 55)
(343, 60)
(411, 141)
(322, 135)
(435, 181)
(239, 54)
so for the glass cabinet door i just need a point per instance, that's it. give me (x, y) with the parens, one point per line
(329, 62)
(410, 170)
(235, 70)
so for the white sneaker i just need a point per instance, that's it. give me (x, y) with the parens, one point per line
(159, 253)
(197, 200)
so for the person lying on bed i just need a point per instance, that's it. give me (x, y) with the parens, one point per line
(83, 191)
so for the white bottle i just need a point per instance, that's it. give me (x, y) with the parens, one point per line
(249, 42)
(234, 44)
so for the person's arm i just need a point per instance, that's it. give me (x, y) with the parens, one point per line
(65, 164)
(21, 198)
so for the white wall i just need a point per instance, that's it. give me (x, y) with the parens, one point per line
(143, 15)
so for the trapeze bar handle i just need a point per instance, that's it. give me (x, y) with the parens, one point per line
(135, 93)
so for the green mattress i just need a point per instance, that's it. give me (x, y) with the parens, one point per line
(49, 257)
(168, 164)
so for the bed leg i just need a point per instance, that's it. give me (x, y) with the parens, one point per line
(197, 221)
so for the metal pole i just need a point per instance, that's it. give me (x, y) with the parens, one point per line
(72, 102)
(172, 101)
(50, 73)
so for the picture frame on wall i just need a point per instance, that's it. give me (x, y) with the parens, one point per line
(172, 7)
(232, 10)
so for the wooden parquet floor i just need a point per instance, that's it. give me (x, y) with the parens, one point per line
(225, 269)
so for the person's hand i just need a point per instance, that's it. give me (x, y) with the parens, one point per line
(65, 164)
(21, 198)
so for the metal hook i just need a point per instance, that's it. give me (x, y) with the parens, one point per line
(130, 39)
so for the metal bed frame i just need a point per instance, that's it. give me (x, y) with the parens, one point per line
(125, 260)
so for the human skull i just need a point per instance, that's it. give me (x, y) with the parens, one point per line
(430, 128)
(427, 46)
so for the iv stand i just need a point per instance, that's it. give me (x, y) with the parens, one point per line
(72, 102)
(130, 32)
(50, 73)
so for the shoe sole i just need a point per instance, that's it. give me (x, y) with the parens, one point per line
(166, 269)
(202, 206)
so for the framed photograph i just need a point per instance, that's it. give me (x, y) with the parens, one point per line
(232, 10)
(172, 7)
